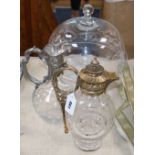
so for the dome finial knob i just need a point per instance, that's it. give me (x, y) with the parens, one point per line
(87, 20)
(88, 10)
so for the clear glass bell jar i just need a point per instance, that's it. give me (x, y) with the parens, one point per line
(80, 39)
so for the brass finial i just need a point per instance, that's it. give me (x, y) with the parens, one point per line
(95, 61)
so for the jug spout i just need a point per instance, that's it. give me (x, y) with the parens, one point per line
(110, 77)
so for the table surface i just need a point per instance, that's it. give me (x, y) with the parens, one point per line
(41, 138)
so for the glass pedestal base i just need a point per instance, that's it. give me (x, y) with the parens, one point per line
(88, 145)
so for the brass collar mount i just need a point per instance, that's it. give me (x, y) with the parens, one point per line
(94, 79)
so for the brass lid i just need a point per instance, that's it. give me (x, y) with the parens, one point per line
(94, 79)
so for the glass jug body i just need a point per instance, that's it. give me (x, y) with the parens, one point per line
(92, 120)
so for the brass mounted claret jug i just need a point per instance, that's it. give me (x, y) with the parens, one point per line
(92, 115)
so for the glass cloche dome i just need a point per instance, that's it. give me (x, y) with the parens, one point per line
(80, 39)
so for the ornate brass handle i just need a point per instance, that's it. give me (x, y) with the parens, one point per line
(62, 94)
